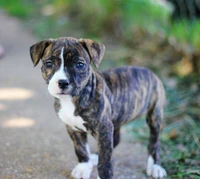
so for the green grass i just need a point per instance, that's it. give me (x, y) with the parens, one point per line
(180, 154)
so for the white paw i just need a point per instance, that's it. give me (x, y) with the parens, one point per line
(98, 178)
(82, 170)
(156, 171)
(94, 158)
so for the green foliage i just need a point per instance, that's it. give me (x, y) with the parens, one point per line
(144, 14)
(124, 18)
(19, 8)
(49, 26)
(118, 17)
(94, 15)
(186, 33)
(105, 16)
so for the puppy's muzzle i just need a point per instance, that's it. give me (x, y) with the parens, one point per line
(63, 84)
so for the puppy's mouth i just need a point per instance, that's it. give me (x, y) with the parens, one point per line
(70, 92)
(62, 93)
(65, 91)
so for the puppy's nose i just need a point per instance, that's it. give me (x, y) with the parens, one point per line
(63, 84)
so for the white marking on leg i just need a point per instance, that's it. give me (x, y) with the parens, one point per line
(94, 159)
(150, 163)
(87, 148)
(82, 170)
(154, 170)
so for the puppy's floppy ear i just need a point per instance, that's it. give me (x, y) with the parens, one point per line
(94, 49)
(37, 50)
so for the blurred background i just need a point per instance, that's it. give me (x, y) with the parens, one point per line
(163, 35)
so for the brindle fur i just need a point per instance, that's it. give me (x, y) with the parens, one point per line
(105, 100)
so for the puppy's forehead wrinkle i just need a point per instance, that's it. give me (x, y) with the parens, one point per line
(73, 54)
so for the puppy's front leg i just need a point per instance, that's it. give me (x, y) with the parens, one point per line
(105, 145)
(83, 169)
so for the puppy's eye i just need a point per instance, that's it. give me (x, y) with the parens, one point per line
(48, 64)
(80, 65)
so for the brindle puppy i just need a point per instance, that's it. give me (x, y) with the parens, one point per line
(99, 103)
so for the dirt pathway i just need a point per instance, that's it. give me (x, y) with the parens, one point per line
(33, 141)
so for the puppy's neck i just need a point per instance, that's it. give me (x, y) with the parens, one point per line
(87, 94)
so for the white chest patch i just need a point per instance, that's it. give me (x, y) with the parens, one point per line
(66, 114)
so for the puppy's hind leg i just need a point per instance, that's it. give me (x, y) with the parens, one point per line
(154, 120)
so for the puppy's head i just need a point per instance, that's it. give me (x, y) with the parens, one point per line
(66, 63)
